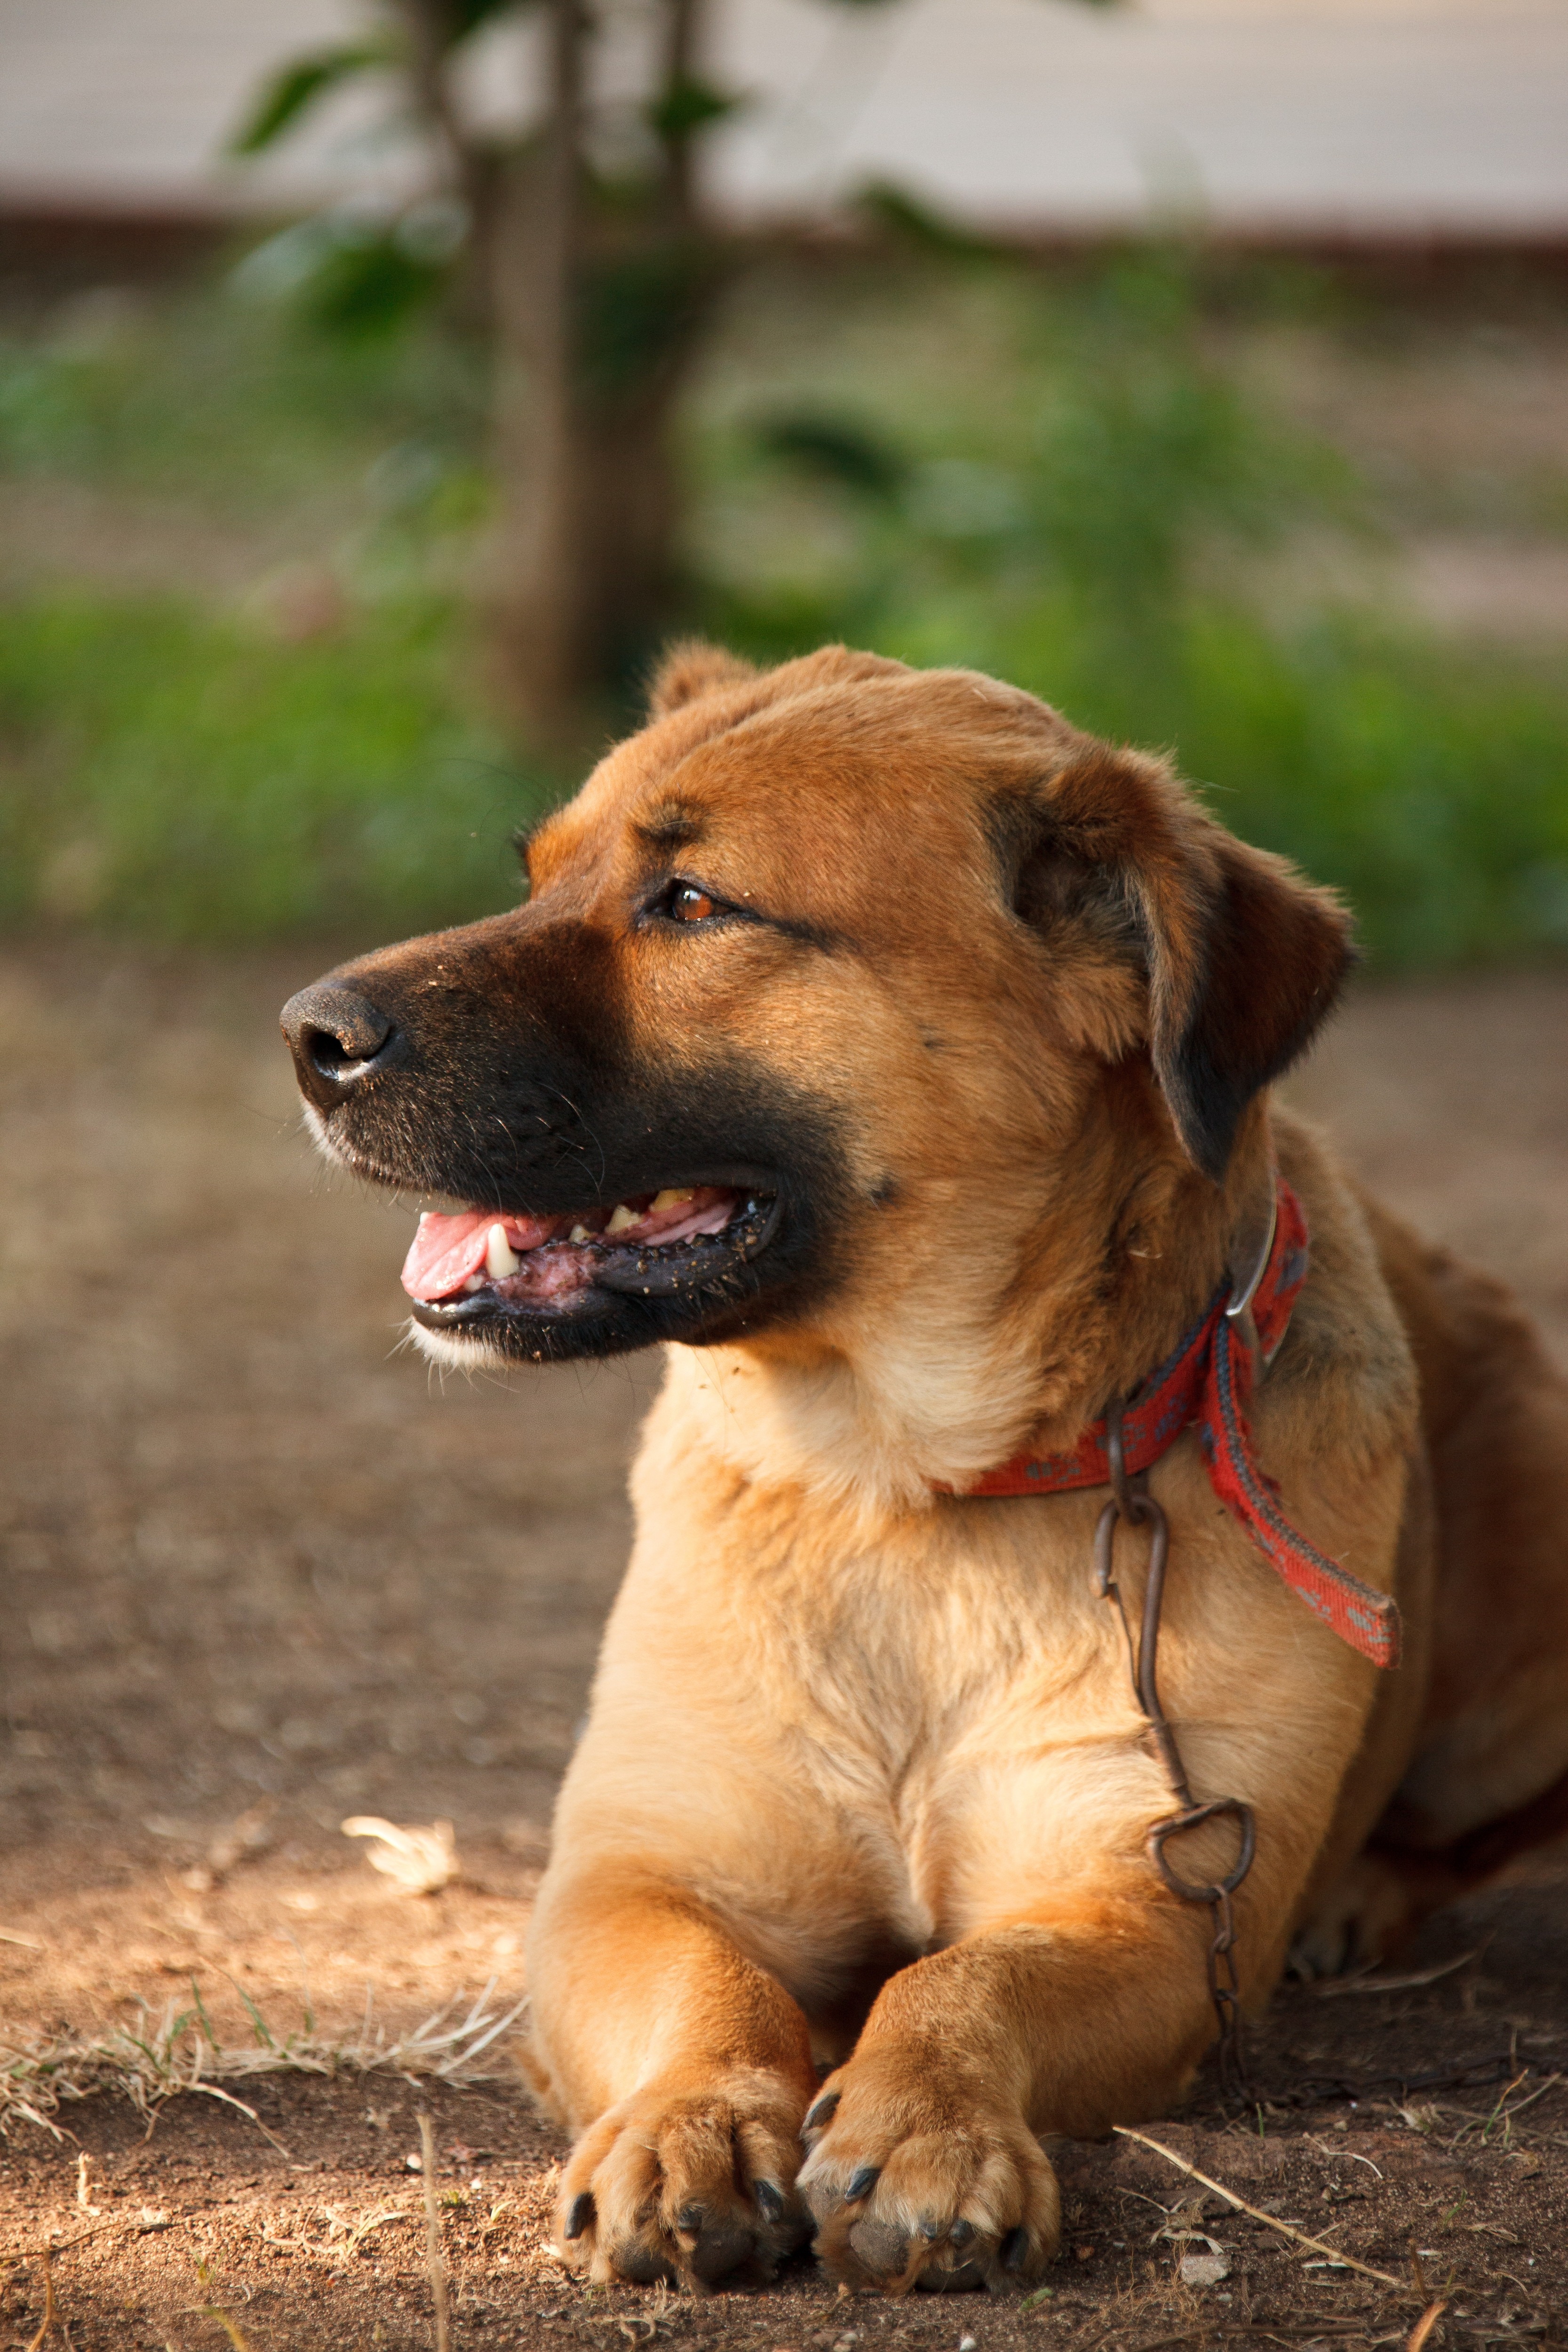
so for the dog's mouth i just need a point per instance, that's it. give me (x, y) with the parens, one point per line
(478, 1269)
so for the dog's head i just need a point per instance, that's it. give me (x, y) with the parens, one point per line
(844, 995)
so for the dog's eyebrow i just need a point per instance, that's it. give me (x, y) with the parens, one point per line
(670, 827)
(811, 935)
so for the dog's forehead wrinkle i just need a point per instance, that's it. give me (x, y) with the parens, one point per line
(668, 823)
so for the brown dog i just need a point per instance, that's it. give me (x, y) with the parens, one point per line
(899, 1052)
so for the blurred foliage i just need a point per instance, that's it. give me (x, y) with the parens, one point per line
(220, 401)
(1066, 476)
(355, 276)
(294, 89)
(173, 773)
(1107, 527)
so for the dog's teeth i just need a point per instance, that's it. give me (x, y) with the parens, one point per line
(501, 1259)
(474, 1282)
(669, 1197)
(621, 1217)
(580, 1234)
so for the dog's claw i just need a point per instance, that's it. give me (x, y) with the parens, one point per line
(662, 2191)
(904, 2198)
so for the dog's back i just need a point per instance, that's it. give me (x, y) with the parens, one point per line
(1494, 1409)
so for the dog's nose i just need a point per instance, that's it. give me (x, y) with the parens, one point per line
(338, 1039)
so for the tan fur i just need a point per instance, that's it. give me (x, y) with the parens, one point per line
(863, 1787)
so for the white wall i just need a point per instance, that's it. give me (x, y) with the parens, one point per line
(1304, 114)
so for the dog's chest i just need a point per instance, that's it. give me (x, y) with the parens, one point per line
(888, 1661)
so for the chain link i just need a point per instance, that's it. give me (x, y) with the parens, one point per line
(1130, 1502)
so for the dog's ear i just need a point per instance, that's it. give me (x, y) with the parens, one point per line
(690, 669)
(1243, 957)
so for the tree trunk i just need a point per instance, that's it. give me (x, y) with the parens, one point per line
(597, 309)
(544, 622)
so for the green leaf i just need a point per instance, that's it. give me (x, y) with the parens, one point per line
(690, 105)
(207, 2034)
(258, 2023)
(893, 210)
(295, 87)
(835, 450)
(369, 287)
(466, 16)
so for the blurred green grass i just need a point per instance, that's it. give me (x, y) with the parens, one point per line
(171, 772)
(1072, 483)
(305, 751)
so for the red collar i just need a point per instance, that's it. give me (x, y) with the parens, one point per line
(1208, 1379)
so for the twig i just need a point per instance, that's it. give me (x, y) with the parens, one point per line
(433, 2232)
(214, 2310)
(229, 2325)
(352, 2237)
(1275, 2331)
(1500, 2113)
(48, 2318)
(1335, 1988)
(1269, 2222)
(1427, 2323)
(211, 2091)
(64, 2245)
(1328, 2150)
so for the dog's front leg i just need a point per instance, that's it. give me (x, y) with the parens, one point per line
(924, 2162)
(685, 2068)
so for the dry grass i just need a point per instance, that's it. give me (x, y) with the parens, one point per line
(180, 2053)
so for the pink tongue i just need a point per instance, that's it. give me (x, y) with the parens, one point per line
(446, 1250)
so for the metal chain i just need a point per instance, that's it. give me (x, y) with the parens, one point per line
(1131, 1501)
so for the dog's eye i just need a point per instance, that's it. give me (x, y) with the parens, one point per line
(687, 903)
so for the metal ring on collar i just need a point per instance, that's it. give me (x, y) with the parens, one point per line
(1190, 1820)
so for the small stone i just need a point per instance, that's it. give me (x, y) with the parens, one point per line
(1202, 2269)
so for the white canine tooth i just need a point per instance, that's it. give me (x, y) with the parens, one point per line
(500, 1257)
(675, 1198)
(621, 1217)
(580, 1234)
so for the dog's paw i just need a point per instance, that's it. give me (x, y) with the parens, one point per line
(685, 2186)
(1365, 1916)
(914, 2184)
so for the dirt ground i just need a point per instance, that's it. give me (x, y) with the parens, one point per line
(260, 1567)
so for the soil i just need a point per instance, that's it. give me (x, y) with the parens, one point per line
(261, 1566)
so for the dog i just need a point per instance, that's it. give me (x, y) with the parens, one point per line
(900, 1056)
